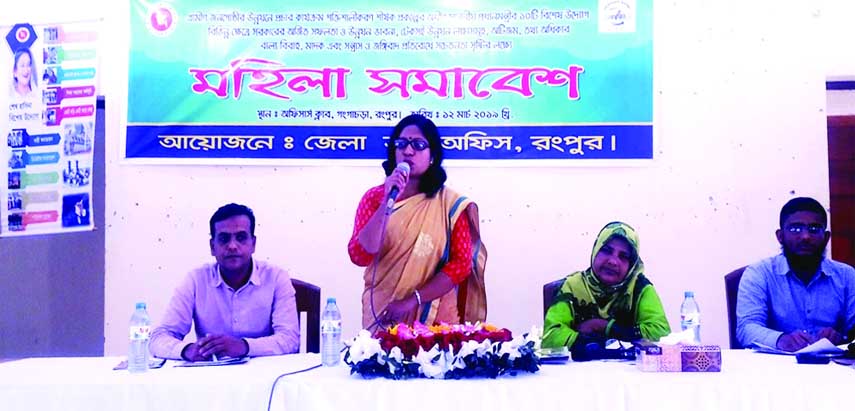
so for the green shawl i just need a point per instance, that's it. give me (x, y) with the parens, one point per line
(590, 298)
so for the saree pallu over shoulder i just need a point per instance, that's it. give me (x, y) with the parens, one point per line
(416, 247)
(472, 292)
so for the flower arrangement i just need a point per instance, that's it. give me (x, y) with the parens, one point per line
(441, 351)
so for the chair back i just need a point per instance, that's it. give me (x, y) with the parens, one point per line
(550, 290)
(309, 301)
(731, 289)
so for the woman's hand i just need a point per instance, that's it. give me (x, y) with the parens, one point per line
(594, 326)
(399, 310)
(398, 179)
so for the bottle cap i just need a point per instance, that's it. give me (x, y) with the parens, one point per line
(689, 294)
(331, 300)
(140, 306)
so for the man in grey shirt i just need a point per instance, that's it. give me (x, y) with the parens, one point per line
(795, 298)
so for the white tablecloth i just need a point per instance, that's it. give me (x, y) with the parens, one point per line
(46, 384)
(749, 381)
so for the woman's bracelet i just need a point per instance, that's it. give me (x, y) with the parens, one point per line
(418, 296)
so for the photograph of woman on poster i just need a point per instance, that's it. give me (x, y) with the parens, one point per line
(23, 73)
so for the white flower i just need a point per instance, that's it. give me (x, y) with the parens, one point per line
(447, 361)
(536, 335)
(483, 348)
(457, 362)
(363, 347)
(468, 348)
(398, 356)
(512, 348)
(427, 366)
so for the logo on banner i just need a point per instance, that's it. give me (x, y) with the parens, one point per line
(617, 16)
(21, 36)
(162, 19)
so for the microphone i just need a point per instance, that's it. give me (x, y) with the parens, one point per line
(393, 193)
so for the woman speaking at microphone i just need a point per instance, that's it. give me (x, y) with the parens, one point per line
(419, 240)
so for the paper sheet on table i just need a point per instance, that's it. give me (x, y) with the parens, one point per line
(152, 364)
(224, 361)
(823, 345)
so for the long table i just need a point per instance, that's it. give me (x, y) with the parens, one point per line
(749, 381)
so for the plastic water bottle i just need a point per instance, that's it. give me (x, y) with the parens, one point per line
(690, 316)
(138, 348)
(331, 334)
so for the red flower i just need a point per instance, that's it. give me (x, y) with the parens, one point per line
(388, 342)
(444, 341)
(479, 337)
(426, 341)
(455, 341)
(448, 338)
(382, 334)
(409, 347)
(500, 336)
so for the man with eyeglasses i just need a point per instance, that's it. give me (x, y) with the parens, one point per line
(795, 298)
(240, 306)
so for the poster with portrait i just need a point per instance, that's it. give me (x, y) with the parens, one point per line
(251, 81)
(48, 79)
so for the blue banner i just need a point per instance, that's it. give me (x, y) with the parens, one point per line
(342, 142)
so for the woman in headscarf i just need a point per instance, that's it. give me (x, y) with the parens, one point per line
(610, 299)
(423, 256)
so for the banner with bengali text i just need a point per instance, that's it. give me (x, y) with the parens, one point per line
(49, 125)
(327, 80)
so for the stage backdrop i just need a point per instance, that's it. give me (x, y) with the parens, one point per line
(543, 83)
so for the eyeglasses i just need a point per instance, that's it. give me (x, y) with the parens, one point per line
(241, 237)
(418, 144)
(813, 229)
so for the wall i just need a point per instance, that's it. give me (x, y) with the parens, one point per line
(52, 286)
(841, 102)
(840, 106)
(841, 178)
(739, 117)
(837, 31)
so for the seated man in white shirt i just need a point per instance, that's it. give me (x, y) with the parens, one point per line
(240, 306)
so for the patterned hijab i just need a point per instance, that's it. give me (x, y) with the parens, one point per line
(591, 297)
